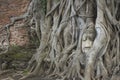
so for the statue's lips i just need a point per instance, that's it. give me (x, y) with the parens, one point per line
(86, 49)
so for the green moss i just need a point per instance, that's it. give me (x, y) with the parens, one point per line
(18, 53)
(25, 72)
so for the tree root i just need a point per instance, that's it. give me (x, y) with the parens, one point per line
(60, 34)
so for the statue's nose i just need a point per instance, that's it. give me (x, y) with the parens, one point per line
(88, 43)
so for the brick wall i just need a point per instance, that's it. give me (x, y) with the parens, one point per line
(13, 8)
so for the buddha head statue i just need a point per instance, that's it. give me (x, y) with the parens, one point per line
(88, 38)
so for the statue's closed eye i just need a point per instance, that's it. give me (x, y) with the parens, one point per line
(88, 36)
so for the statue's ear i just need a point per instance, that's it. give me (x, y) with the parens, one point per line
(84, 37)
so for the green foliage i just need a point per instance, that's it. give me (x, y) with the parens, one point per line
(44, 5)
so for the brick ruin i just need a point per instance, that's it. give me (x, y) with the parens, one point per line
(13, 8)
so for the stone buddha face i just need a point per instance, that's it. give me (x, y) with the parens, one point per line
(88, 39)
